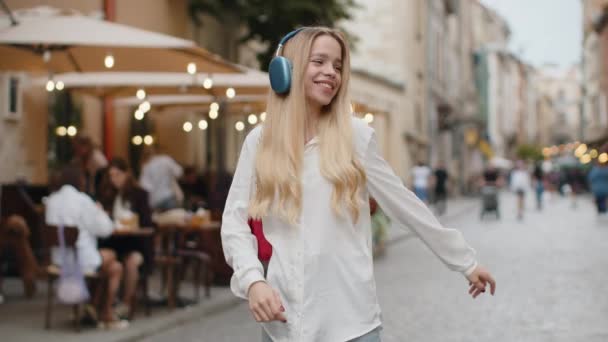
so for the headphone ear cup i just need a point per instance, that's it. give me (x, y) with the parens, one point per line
(279, 72)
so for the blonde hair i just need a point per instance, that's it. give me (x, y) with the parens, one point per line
(279, 158)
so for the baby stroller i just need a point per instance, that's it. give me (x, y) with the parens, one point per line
(489, 201)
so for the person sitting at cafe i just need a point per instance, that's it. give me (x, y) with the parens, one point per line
(69, 205)
(128, 205)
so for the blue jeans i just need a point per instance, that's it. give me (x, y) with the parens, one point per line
(421, 193)
(372, 336)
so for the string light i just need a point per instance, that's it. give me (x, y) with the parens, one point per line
(202, 124)
(252, 119)
(109, 61)
(148, 140)
(213, 114)
(61, 131)
(72, 131)
(239, 125)
(369, 117)
(187, 126)
(214, 106)
(59, 85)
(50, 85)
(137, 140)
(207, 83)
(230, 93)
(191, 68)
(263, 116)
(141, 94)
(139, 114)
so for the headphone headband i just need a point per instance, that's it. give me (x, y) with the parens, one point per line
(286, 38)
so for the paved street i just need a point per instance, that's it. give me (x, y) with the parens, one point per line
(551, 278)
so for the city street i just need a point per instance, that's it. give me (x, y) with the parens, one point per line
(549, 269)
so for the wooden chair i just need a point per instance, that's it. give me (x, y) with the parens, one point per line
(51, 239)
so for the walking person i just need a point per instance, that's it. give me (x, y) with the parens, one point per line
(308, 172)
(440, 180)
(539, 185)
(598, 180)
(421, 175)
(520, 184)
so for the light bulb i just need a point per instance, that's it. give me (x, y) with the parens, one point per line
(145, 106)
(252, 119)
(230, 93)
(139, 114)
(72, 131)
(187, 126)
(202, 124)
(59, 85)
(214, 107)
(141, 94)
(109, 61)
(50, 85)
(191, 68)
(369, 117)
(239, 125)
(263, 116)
(207, 83)
(148, 140)
(213, 115)
(61, 131)
(137, 140)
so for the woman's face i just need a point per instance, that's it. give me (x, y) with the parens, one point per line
(117, 177)
(323, 77)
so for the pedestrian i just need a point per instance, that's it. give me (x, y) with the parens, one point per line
(308, 172)
(440, 180)
(598, 180)
(539, 186)
(421, 175)
(520, 183)
(159, 177)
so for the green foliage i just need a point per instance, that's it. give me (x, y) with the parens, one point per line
(63, 112)
(268, 20)
(529, 152)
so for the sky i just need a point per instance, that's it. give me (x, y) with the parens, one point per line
(543, 31)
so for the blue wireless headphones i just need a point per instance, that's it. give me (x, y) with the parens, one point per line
(279, 69)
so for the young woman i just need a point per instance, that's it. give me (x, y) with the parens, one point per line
(120, 193)
(307, 173)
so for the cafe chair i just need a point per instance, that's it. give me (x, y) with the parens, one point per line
(95, 279)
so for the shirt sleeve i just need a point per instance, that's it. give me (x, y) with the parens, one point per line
(93, 219)
(239, 244)
(405, 209)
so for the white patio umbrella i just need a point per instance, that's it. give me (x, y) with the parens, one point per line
(48, 39)
(126, 84)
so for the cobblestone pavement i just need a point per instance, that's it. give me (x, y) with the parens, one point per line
(550, 270)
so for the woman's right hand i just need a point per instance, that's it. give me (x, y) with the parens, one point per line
(265, 303)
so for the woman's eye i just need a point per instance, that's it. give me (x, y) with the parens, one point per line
(338, 67)
(317, 61)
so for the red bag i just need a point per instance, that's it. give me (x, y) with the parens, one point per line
(264, 247)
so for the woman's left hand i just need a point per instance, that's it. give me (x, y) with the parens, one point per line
(478, 281)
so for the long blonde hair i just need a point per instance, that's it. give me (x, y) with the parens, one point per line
(279, 158)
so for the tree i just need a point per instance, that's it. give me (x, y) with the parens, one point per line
(268, 20)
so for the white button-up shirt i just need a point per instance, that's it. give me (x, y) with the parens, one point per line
(70, 207)
(323, 267)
